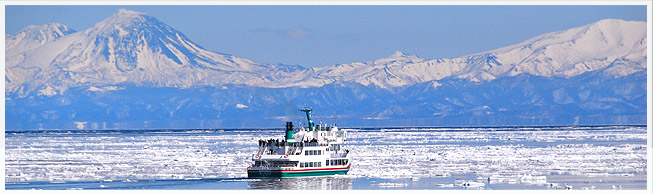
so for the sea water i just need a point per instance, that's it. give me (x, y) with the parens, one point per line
(599, 157)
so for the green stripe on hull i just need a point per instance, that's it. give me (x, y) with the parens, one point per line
(296, 174)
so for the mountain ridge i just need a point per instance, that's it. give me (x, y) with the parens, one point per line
(131, 70)
(509, 60)
(164, 48)
(130, 47)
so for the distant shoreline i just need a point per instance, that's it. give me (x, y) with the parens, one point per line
(540, 127)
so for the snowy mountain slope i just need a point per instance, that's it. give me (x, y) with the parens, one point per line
(131, 48)
(565, 53)
(131, 70)
(30, 38)
(515, 100)
(395, 70)
(35, 36)
(575, 51)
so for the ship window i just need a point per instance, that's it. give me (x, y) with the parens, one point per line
(301, 165)
(319, 164)
(327, 162)
(310, 164)
(345, 161)
(319, 152)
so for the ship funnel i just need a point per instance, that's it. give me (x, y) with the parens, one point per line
(289, 131)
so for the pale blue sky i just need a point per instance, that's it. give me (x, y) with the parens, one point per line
(314, 36)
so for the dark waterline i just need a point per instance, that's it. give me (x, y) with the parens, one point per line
(318, 183)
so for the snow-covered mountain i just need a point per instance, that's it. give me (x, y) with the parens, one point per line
(616, 46)
(18, 47)
(131, 70)
(126, 48)
(35, 36)
(133, 48)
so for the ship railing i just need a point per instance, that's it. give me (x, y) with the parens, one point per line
(260, 151)
(312, 144)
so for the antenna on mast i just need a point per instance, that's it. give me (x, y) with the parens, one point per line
(308, 110)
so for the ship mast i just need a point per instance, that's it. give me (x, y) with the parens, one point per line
(308, 110)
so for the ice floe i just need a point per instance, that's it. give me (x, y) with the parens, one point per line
(492, 155)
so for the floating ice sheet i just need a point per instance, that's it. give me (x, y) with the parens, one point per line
(493, 155)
